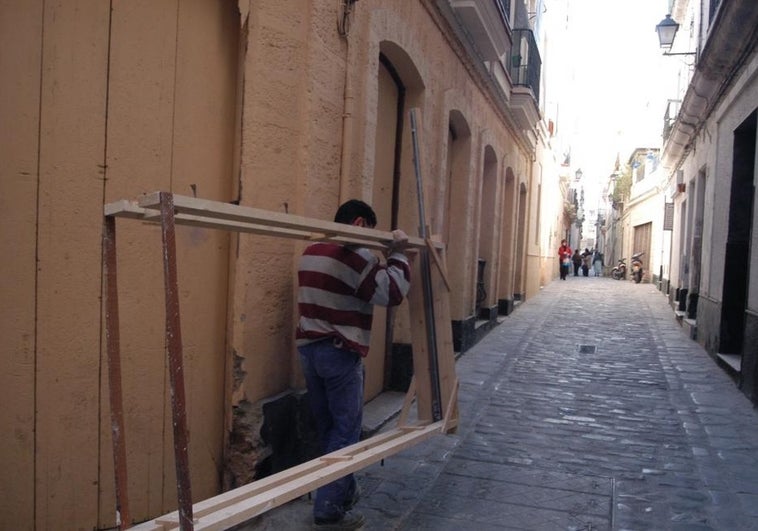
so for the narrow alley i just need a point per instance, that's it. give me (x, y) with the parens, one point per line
(587, 408)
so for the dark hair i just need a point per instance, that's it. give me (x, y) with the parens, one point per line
(355, 208)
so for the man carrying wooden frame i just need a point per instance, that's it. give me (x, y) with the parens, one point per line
(338, 288)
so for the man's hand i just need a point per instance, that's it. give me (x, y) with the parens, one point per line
(399, 241)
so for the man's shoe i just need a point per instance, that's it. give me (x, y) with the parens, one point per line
(351, 520)
(353, 499)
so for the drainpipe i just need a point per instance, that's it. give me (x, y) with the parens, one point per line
(347, 113)
(347, 133)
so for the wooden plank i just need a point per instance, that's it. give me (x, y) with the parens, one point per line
(438, 262)
(71, 151)
(140, 151)
(336, 458)
(444, 330)
(409, 397)
(244, 503)
(451, 412)
(420, 342)
(207, 209)
(205, 92)
(420, 345)
(231, 497)
(130, 209)
(20, 72)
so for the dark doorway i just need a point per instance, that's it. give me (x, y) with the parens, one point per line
(737, 259)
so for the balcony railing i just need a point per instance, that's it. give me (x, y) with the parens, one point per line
(504, 6)
(672, 111)
(525, 62)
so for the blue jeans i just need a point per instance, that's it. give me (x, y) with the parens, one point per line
(334, 377)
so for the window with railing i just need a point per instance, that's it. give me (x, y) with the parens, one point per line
(504, 6)
(672, 111)
(525, 62)
(712, 11)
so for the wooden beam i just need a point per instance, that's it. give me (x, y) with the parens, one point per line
(422, 373)
(256, 221)
(241, 504)
(410, 395)
(231, 214)
(438, 261)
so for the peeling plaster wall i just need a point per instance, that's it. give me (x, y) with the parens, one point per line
(297, 69)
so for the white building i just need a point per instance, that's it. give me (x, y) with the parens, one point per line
(709, 161)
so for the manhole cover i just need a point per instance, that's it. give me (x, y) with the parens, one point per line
(587, 349)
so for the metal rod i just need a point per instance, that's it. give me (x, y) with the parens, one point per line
(113, 347)
(426, 274)
(176, 369)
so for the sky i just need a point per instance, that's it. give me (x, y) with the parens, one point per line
(610, 85)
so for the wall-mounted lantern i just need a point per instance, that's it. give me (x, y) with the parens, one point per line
(667, 29)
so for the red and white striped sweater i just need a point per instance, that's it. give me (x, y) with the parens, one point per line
(338, 287)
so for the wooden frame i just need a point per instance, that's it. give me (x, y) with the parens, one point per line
(241, 504)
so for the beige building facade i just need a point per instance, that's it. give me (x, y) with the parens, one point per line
(287, 106)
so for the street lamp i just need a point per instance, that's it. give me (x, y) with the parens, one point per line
(667, 29)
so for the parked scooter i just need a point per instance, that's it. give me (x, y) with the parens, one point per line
(637, 267)
(619, 271)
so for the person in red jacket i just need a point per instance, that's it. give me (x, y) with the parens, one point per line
(564, 259)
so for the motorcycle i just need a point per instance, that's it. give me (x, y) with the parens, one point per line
(637, 267)
(619, 271)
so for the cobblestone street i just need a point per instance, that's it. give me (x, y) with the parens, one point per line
(587, 408)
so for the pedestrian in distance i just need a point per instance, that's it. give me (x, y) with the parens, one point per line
(576, 258)
(338, 286)
(586, 261)
(564, 259)
(597, 263)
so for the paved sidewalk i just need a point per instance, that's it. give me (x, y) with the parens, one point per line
(587, 408)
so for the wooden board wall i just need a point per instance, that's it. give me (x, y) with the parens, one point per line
(171, 117)
(67, 363)
(19, 106)
(147, 89)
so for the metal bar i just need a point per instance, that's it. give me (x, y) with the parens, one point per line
(431, 330)
(113, 347)
(176, 369)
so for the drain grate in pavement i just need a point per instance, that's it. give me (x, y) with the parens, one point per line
(587, 349)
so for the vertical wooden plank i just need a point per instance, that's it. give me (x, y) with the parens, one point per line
(420, 344)
(72, 138)
(20, 49)
(140, 135)
(420, 340)
(204, 136)
(172, 116)
(444, 330)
